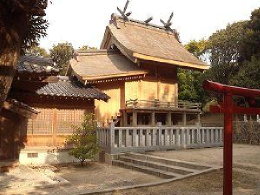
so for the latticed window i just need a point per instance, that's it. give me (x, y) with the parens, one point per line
(67, 120)
(50, 121)
(42, 124)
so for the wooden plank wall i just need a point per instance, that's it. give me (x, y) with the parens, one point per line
(148, 89)
(52, 125)
(104, 111)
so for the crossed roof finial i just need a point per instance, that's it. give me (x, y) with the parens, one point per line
(123, 12)
(167, 24)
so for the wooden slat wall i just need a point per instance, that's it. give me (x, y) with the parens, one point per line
(167, 91)
(104, 111)
(51, 126)
(164, 90)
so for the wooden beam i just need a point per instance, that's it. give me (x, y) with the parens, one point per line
(173, 62)
(19, 110)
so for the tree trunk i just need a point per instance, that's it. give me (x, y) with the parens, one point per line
(82, 163)
(8, 64)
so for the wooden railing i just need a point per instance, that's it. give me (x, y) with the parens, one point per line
(141, 139)
(162, 105)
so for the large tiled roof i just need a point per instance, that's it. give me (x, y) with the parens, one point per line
(36, 65)
(139, 41)
(103, 64)
(71, 89)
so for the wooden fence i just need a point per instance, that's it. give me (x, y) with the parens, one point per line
(141, 139)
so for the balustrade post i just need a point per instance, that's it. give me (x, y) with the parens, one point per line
(159, 124)
(208, 136)
(198, 135)
(188, 135)
(127, 138)
(203, 136)
(134, 137)
(141, 137)
(177, 137)
(211, 135)
(183, 140)
(148, 137)
(221, 135)
(112, 135)
(154, 136)
(216, 135)
(120, 138)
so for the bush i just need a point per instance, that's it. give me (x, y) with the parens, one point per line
(84, 140)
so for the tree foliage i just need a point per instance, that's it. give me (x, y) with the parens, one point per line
(189, 81)
(84, 140)
(61, 55)
(226, 49)
(86, 47)
(22, 24)
(37, 51)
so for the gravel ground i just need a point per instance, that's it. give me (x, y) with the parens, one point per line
(93, 176)
(246, 174)
(246, 177)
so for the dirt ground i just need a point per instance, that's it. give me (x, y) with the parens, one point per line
(246, 174)
(94, 176)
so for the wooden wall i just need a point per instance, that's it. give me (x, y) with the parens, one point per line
(160, 83)
(150, 89)
(52, 125)
(105, 111)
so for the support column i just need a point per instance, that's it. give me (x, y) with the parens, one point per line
(134, 118)
(199, 118)
(184, 118)
(153, 119)
(228, 145)
(168, 119)
(183, 140)
(120, 136)
(112, 136)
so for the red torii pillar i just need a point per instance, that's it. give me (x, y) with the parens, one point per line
(228, 109)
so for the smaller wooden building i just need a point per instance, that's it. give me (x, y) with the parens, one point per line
(58, 103)
(137, 67)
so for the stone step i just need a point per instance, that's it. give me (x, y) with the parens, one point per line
(170, 162)
(157, 165)
(145, 169)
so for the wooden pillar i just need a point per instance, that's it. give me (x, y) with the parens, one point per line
(184, 118)
(54, 126)
(168, 119)
(134, 118)
(199, 118)
(112, 135)
(153, 119)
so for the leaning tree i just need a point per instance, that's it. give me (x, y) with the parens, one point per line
(22, 24)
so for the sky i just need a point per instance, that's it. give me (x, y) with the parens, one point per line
(83, 22)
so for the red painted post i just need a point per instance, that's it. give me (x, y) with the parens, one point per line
(228, 109)
(228, 145)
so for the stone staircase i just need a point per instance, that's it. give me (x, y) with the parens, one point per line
(160, 167)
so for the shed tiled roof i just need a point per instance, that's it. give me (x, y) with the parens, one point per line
(139, 41)
(36, 65)
(102, 64)
(22, 105)
(71, 89)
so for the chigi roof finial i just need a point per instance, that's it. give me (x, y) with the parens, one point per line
(123, 12)
(167, 24)
(148, 20)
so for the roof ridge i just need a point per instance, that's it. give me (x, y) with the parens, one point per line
(82, 52)
(147, 25)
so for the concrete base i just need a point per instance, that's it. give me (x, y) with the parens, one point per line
(39, 156)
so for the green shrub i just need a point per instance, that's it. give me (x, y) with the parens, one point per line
(84, 140)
